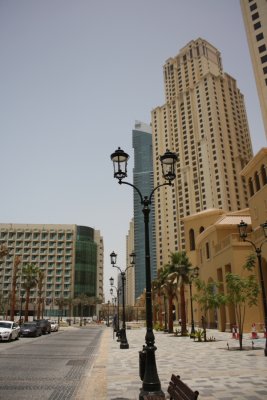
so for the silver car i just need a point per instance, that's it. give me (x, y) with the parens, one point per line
(54, 325)
(9, 330)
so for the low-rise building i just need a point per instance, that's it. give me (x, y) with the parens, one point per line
(70, 256)
(214, 245)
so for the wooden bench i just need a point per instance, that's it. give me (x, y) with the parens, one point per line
(178, 390)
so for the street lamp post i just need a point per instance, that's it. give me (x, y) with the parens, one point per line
(114, 301)
(113, 257)
(151, 383)
(111, 280)
(108, 314)
(243, 235)
(194, 274)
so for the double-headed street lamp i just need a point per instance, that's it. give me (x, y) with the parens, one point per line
(113, 258)
(243, 235)
(151, 383)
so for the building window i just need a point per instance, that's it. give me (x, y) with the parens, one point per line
(253, 7)
(250, 186)
(262, 48)
(259, 36)
(264, 59)
(263, 175)
(207, 251)
(257, 25)
(192, 239)
(255, 16)
(257, 181)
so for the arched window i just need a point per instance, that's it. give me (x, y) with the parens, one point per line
(201, 229)
(192, 239)
(207, 250)
(251, 188)
(263, 175)
(257, 181)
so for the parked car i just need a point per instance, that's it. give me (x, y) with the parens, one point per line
(31, 329)
(54, 325)
(9, 330)
(45, 325)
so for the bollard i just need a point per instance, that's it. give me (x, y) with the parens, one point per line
(142, 363)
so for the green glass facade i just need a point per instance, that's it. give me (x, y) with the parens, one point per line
(85, 262)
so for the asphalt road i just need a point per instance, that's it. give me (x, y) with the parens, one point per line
(49, 367)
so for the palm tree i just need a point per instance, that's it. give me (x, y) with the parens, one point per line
(29, 277)
(179, 270)
(40, 300)
(17, 261)
(3, 251)
(61, 302)
(83, 300)
(157, 292)
(169, 290)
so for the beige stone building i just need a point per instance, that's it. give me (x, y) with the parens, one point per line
(204, 121)
(255, 20)
(213, 244)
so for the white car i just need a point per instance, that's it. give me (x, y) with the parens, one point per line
(9, 330)
(54, 325)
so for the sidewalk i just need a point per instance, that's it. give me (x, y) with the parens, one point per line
(212, 369)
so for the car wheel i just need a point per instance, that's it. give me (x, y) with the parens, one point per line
(10, 338)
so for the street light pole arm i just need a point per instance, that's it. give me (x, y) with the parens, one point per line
(157, 187)
(144, 200)
(253, 244)
(115, 266)
(133, 186)
(262, 244)
(129, 266)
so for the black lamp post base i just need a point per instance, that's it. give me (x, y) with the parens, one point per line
(124, 345)
(123, 339)
(151, 395)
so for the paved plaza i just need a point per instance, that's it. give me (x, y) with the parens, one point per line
(216, 369)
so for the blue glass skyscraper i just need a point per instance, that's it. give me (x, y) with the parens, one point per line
(143, 179)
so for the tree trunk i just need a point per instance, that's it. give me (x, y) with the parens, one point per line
(14, 287)
(27, 305)
(160, 312)
(183, 313)
(170, 330)
(39, 308)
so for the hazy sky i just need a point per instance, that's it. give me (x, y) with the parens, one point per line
(75, 75)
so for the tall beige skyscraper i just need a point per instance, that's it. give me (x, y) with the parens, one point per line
(204, 121)
(255, 20)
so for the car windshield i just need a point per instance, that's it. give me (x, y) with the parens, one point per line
(29, 324)
(5, 325)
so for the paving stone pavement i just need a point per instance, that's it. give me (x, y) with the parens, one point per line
(212, 369)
